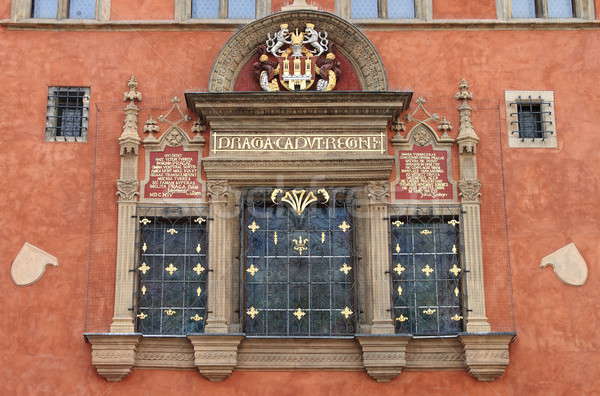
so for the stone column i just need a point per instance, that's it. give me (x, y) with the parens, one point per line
(469, 186)
(220, 258)
(127, 192)
(377, 256)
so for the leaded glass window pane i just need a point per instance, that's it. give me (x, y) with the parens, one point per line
(208, 9)
(560, 8)
(241, 9)
(426, 274)
(172, 274)
(44, 9)
(299, 269)
(401, 9)
(523, 9)
(82, 9)
(365, 9)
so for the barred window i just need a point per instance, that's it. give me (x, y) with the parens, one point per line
(172, 272)
(426, 273)
(530, 119)
(74, 9)
(67, 113)
(232, 9)
(299, 264)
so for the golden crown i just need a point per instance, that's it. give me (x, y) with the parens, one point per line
(310, 25)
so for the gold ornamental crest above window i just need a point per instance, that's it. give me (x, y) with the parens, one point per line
(297, 61)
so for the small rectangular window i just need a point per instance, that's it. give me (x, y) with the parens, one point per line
(44, 8)
(530, 118)
(531, 124)
(426, 274)
(82, 9)
(365, 9)
(401, 9)
(241, 9)
(560, 9)
(205, 9)
(67, 115)
(523, 9)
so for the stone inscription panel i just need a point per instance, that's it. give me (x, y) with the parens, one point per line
(424, 174)
(173, 174)
(222, 142)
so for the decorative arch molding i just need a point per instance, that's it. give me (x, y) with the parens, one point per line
(346, 37)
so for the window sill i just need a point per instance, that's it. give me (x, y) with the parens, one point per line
(235, 24)
(383, 357)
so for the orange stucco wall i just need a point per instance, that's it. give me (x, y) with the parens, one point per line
(461, 9)
(543, 199)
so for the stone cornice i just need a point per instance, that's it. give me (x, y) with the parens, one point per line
(233, 25)
(302, 111)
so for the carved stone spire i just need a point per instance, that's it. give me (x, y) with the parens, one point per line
(130, 139)
(299, 5)
(467, 137)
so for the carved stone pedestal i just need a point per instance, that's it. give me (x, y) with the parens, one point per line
(384, 357)
(215, 356)
(113, 356)
(487, 354)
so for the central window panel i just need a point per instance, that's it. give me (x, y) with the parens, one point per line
(298, 262)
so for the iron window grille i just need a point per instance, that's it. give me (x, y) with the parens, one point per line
(171, 270)
(299, 271)
(533, 119)
(426, 270)
(67, 114)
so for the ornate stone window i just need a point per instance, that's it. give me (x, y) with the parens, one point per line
(172, 270)
(384, 9)
(61, 9)
(530, 119)
(426, 270)
(221, 9)
(67, 115)
(529, 9)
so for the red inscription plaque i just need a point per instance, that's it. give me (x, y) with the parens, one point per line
(424, 174)
(173, 174)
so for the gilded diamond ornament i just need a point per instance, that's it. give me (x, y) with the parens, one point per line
(345, 269)
(145, 221)
(252, 312)
(196, 318)
(253, 227)
(171, 269)
(346, 312)
(454, 222)
(456, 317)
(399, 269)
(426, 232)
(455, 270)
(170, 312)
(427, 270)
(199, 291)
(200, 220)
(199, 269)
(397, 223)
(299, 313)
(198, 248)
(144, 268)
(172, 231)
(142, 316)
(344, 226)
(401, 318)
(252, 270)
(429, 311)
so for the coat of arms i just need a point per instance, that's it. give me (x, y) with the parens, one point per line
(301, 59)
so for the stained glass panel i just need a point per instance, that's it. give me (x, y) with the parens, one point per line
(401, 9)
(172, 274)
(426, 273)
(82, 9)
(365, 9)
(45, 9)
(300, 280)
(523, 9)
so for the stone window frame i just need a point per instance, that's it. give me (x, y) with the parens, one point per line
(51, 111)
(584, 9)
(22, 10)
(514, 141)
(183, 12)
(423, 11)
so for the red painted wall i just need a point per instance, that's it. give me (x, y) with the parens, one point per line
(464, 9)
(542, 198)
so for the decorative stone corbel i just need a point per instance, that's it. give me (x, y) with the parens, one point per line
(113, 356)
(150, 128)
(384, 357)
(486, 355)
(215, 356)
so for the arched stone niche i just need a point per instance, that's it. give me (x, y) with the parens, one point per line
(346, 38)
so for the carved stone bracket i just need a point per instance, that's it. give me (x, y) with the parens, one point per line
(487, 355)
(469, 190)
(384, 357)
(218, 190)
(127, 190)
(113, 356)
(215, 356)
(378, 192)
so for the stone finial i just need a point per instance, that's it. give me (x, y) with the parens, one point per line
(444, 126)
(150, 128)
(467, 137)
(197, 129)
(133, 94)
(299, 5)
